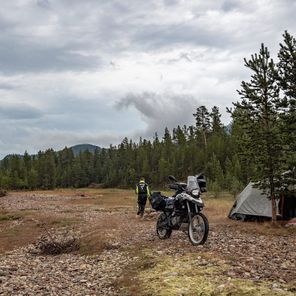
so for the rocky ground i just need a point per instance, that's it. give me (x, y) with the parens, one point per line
(121, 255)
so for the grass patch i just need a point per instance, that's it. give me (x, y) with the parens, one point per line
(13, 215)
(9, 217)
(63, 222)
(188, 275)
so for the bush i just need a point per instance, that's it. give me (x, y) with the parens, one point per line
(236, 187)
(216, 188)
(3, 192)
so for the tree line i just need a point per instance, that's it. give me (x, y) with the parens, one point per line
(206, 147)
(259, 145)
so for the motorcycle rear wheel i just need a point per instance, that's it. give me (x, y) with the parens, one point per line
(198, 229)
(162, 230)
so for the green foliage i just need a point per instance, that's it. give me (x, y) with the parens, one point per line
(265, 121)
(287, 83)
(215, 188)
(258, 117)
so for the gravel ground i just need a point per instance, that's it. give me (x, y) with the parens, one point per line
(255, 256)
(24, 274)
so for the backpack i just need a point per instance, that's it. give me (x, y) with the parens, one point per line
(157, 201)
(142, 188)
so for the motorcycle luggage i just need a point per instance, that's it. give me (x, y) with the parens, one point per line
(170, 202)
(202, 183)
(157, 201)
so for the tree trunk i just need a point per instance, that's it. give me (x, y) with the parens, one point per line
(273, 205)
(205, 139)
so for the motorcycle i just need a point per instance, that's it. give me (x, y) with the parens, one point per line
(182, 211)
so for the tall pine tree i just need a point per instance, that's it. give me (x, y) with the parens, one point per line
(287, 83)
(259, 120)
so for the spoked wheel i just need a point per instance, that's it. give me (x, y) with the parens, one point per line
(162, 229)
(198, 229)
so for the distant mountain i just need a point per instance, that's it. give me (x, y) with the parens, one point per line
(84, 147)
(11, 155)
(76, 150)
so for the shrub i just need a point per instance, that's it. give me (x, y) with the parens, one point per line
(2, 192)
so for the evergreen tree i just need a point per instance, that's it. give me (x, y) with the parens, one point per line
(259, 120)
(216, 120)
(287, 83)
(202, 122)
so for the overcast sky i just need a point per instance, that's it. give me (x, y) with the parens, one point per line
(95, 71)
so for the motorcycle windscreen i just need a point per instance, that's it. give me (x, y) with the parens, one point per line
(192, 183)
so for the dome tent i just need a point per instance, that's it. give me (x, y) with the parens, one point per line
(251, 202)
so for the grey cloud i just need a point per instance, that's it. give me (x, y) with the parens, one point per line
(229, 5)
(116, 27)
(43, 3)
(170, 2)
(153, 37)
(19, 112)
(161, 110)
(7, 86)
(180, 41)
(28, 57)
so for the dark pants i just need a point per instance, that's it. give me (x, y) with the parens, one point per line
(142, 199)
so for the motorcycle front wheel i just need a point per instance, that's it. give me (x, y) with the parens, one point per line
(162, 229)
(198, 229)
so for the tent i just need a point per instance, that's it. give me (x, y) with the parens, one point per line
(253, 204)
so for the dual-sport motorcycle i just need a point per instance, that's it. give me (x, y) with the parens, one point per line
(182, 211)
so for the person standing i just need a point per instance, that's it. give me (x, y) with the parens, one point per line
(143, 192)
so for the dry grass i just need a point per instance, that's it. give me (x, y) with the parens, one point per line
(262, 228)
(98, 237)
(217, 209)
(68, 207)
(8, 217)
(18, 236)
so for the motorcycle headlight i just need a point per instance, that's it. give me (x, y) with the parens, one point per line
(195, 192)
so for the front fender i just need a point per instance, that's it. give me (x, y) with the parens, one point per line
(185, 196)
